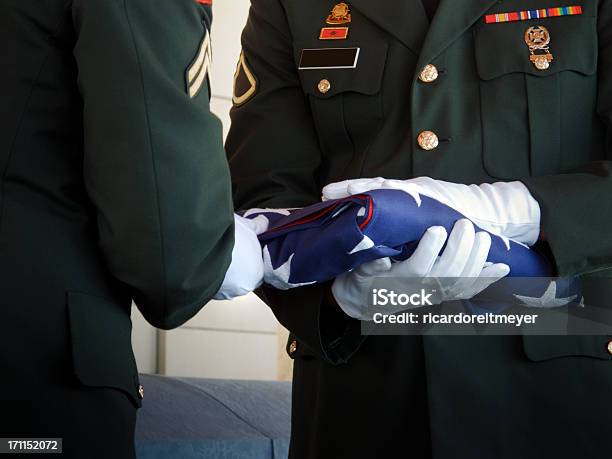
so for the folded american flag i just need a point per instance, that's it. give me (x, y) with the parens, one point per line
(318, 243)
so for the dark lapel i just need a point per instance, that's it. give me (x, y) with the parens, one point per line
(405, 19)
(452, 19)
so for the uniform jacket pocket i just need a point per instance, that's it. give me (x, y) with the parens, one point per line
(296, 349)
(365, 78)
(101, 344)
(537, 122)
(542, 348)
(346, 103)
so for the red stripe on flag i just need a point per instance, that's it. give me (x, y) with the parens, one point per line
(307, 219)
(366, 222)
(330, 209)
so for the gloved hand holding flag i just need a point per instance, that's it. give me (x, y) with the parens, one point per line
(504, 208)
(320, 242)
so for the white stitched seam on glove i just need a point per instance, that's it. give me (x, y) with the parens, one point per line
(459, 273)
(504, 208)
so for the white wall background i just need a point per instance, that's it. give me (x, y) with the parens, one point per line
(237, 339)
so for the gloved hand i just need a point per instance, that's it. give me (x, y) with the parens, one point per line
(459, 273)
(246, 271)
(503, 208)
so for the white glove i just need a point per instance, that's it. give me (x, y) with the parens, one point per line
(246, 271)
(459, 273)
(503, 208)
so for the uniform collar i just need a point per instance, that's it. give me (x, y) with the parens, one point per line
(408, 22)
(453, 19)
(405, 19)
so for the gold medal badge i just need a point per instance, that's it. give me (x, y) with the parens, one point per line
(537, 39)
(340, 14)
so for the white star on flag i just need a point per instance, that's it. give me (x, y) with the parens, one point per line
(548, 300)
(279, 277)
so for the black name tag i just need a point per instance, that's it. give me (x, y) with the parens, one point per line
(329, 58)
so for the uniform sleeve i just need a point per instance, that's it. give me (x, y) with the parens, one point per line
(577, 207)
(274, 159)
(154, 164)
(272, 146)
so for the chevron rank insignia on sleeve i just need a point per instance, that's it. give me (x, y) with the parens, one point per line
(197, 72)
(245, 83)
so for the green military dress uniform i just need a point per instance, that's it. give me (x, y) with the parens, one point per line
(461, 100)
(114, 187)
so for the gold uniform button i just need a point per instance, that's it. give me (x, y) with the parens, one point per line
(428, 140)
(324, 86)
(429, 74)
(610, 347)
(141, 391)
(293, 347)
